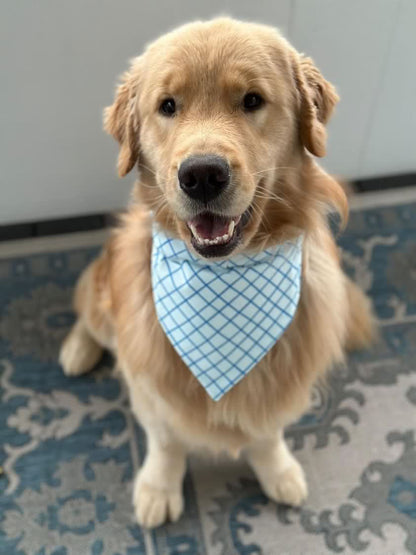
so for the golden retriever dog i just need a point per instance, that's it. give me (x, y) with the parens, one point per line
(240, 107)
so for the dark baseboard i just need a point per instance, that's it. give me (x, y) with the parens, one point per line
(373, 184)
(54, 227)
(101, 221)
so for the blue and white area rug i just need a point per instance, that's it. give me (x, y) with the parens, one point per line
(69, 447)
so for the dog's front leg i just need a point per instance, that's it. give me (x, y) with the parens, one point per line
(279, 473)
(158, 493)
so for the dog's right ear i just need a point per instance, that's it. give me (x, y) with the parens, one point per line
(121, 120)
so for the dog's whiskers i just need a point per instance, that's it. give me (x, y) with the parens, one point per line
(263, 193)
(272, 169)
(258, 211)
(148, 169)
(158, 204)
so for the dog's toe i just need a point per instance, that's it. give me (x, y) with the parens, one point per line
(79, 352)
(290, 487)
(155, 506)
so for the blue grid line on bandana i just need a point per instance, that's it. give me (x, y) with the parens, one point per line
(226, 304)
(220, 330)
(242, 315)
(216, 293)
(222, 317)
(207, 285)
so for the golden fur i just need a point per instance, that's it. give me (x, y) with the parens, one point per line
(207, 67)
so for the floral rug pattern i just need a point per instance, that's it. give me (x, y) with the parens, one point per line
(69, 447)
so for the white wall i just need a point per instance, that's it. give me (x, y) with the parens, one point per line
(59, 62)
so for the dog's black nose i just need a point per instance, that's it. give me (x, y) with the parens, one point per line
(204, 177)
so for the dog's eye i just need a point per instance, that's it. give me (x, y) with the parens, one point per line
(252, 101)
(168, 107)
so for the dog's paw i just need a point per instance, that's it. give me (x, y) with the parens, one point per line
(289, 486)
(79, 352)
(155, 506)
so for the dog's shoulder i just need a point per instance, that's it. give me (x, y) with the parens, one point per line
(128, 253)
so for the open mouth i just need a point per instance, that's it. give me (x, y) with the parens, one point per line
(214, 235)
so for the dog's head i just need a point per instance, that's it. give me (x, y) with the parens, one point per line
(218, 117)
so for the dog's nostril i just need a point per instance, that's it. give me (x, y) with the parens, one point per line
(213, 180)
(204, 177)
(217, 178)
(189, 181)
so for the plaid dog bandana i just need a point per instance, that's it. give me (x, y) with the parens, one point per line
(222, 317)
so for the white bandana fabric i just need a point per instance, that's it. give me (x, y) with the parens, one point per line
(223, 316)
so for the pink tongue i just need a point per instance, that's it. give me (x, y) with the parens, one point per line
(209, 226)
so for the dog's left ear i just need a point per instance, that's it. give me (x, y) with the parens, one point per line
(121, 120)
(317, 101)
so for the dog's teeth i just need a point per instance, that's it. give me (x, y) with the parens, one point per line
(195, 233)
(199, 239)
(220, 239)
